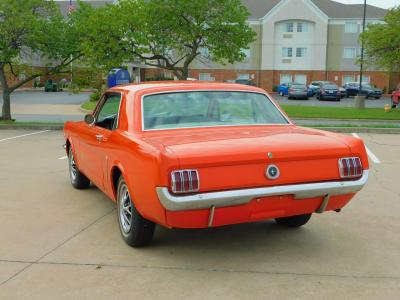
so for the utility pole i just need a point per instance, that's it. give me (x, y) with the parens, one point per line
(360, 99)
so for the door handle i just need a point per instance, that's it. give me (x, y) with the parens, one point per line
(99, 137)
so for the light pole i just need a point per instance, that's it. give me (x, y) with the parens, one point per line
(360, 100)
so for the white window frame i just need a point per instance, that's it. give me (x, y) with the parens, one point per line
(350, 77)
(287, 25)
(205, 77)
(285, 76)
(303, 76)
(303, 26)
(351, 27)
(246, 52)
(286, 51)
(302, 53)
(366, 78)
(243, 76)
(354, 49)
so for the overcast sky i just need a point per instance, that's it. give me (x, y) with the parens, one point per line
(379, 3)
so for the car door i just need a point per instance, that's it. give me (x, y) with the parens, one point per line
(96, 141)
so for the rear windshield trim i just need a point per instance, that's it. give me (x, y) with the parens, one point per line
(211, 90)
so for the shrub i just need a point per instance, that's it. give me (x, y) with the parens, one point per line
(275, 88)
(94, 97)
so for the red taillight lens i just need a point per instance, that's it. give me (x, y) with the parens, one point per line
(291, 90)
(350, 167)
(185, 181)
(322, 91)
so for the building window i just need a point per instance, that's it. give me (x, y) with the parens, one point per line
(351, 27)
(349, 52)
(205, 77)
(347, 78)
(302, 27)
(301, 52)
(289, 27)
(300, 78)
(246, 52)
(287, 52)
(243, 76)
(285, 78)
(365, 79)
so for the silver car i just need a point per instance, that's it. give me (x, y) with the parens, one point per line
(298, 91)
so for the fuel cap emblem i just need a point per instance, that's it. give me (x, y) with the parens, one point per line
(272, 172)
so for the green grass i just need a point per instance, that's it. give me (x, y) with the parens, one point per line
(340, 113)
(350, 126)
(89, 105)
(322, 112)
(28, 123)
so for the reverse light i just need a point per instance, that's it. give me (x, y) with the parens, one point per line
(185, 181)
(350, 167)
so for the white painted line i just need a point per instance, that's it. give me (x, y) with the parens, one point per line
(371, 155)
(63, 157)
(23, 135)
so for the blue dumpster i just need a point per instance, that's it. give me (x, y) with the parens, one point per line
(118, 76)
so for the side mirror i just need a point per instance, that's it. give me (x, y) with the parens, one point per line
(89, 119)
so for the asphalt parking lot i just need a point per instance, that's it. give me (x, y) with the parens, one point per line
(61, 243)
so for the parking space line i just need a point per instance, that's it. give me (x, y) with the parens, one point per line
(63, 157)
(371, 155)
(22, 135)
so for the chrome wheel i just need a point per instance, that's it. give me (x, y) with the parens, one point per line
(125, 210)
(72, 166)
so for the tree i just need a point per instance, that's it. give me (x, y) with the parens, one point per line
(32, 27)
(169, 34)
(382, 42)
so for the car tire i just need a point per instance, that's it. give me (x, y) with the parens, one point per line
(306, 98)
(377, 98)
(78, 180)
(281, 93)
(293, 221)
(135, 229)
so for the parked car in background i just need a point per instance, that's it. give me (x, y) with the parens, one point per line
(314, 86)
(352, 89)
(342, 92)
(298, 91)
(328, 90)
(245, 82)
(191, 154)
(283, 89)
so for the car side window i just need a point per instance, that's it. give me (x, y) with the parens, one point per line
(107, 116)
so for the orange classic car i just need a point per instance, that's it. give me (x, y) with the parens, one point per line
(200, 154)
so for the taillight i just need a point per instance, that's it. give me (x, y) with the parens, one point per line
(350, 167)
(322, 91)
(291, 90)
(185, 181)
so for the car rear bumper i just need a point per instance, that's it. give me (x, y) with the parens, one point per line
(298, 95)
(212, 200)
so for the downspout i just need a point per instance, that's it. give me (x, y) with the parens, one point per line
(327, 52)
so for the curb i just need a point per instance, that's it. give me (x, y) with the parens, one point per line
(349, 120)
(32, 127)
(360, 130)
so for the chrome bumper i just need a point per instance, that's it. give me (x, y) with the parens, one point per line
(242, 196)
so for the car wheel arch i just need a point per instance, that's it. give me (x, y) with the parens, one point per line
(117, 170)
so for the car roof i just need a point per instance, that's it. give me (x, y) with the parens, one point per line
(183, 84)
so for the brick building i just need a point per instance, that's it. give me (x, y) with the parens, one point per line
(297, 40)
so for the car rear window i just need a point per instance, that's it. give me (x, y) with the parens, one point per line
(330, 86)
(208, 109)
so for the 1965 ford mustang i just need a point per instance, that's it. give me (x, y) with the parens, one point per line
(196, 155)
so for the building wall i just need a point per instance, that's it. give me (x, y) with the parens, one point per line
(249, 63)
(273, 39)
